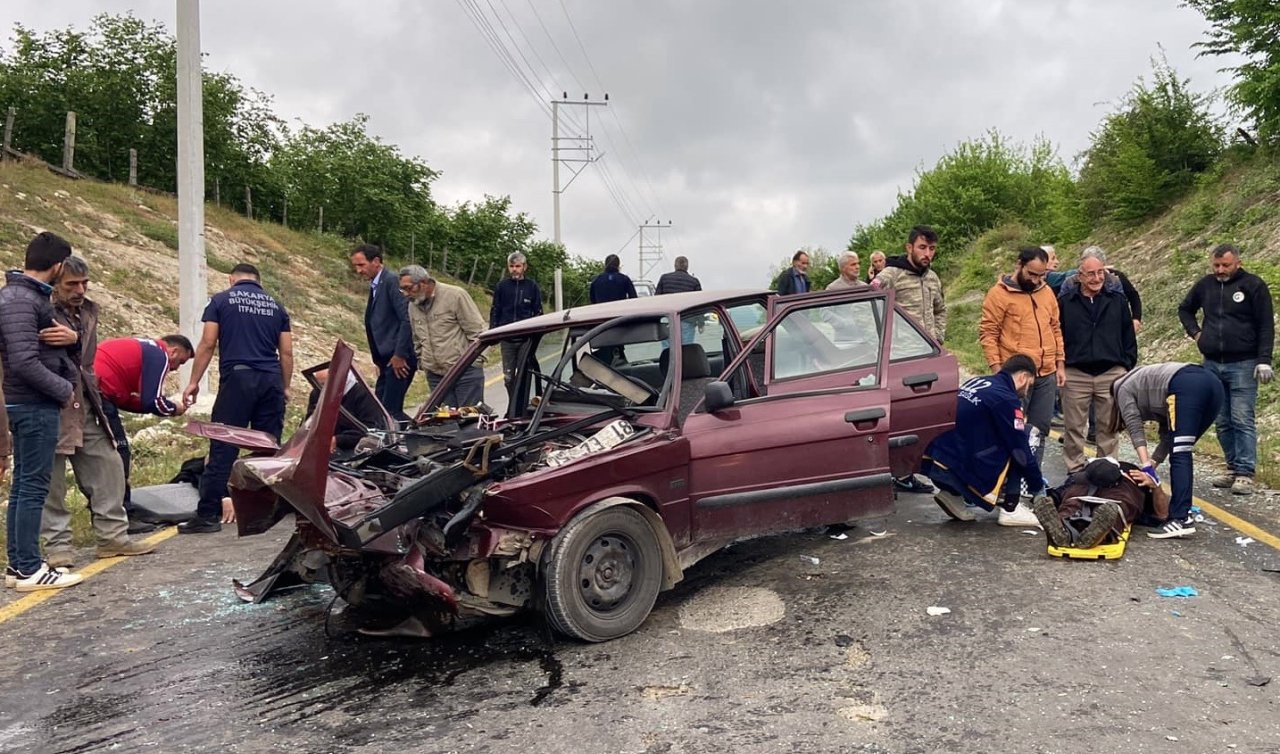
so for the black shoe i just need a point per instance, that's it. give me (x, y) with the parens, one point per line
(1047, 514)
(912, 483)
(1105, 520)
(199, 525)
(138, 526)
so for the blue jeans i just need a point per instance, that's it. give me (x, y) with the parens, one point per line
(34, 427)
(1196, 396)
(1236, 430)
(468, 389)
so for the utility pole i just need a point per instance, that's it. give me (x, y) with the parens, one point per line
(193, 285)
(576, 152)
(650, 253)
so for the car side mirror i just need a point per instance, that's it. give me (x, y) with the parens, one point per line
(718, 396)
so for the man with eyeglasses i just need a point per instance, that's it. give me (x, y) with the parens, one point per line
(1101, 346)
(1020, 315)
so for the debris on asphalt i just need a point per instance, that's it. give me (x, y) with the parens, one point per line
(1244, 541)
(1177, 591)
(843, 640)
(1258, 680)
(1032, 532)
(1175, 613)
(810, 559)
(841, 535)
(935, 610)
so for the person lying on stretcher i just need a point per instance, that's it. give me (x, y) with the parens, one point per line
(1096, 504)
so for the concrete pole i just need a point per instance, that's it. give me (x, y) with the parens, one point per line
(69, 143)
(193, 284)
(8, 132)
(555, 166)
(133, 167)
(555, 192)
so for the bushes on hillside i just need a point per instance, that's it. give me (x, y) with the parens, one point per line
(1248, 28)
(1148, 153)
(982, 184)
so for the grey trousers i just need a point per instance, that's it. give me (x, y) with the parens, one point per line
(100, 476)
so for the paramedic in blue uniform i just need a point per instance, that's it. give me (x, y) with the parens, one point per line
(982, 462)
(251, 331)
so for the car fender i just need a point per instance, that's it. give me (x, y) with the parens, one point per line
(672, 573)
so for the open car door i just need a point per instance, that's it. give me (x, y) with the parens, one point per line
(795, 431)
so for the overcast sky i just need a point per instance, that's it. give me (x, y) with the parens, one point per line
(754, 127)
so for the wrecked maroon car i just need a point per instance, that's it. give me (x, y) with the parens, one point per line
(636, 438)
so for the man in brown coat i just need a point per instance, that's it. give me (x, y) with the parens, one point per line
(83, 437)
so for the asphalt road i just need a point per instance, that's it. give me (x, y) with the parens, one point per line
(759, 649)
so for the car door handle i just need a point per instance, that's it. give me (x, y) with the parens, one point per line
(928, 378)
(864, 415)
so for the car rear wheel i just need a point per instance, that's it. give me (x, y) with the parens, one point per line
(603, 575)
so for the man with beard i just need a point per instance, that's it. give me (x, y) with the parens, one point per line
(445, 321)
(1020, 316)
(918, 290)
(794, 279)
(984, 460)
(1236, 337)
(84, 434)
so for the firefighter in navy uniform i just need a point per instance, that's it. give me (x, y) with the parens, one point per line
(982, 462)
(251, 331)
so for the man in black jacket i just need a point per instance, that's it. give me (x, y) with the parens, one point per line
(37, 382)
(515, 298)
(1236, 337)
(386, 325)
(680, 281)
(1100, 346)
(794, 279)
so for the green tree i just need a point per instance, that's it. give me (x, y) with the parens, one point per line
(368, 189)
(982, 184)
(1149, 152)
(1250, 28)
(120, 77)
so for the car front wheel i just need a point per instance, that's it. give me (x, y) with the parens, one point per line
(603, 575)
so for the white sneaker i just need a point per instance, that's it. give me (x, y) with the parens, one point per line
(1020, 516)
(47, 578)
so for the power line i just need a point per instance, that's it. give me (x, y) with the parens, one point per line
(555, 46)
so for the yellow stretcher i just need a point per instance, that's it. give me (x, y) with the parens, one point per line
(1113, 551)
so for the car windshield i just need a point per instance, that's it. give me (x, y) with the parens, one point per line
(622, 365)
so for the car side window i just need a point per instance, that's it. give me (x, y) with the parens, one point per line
(748, 318)
(908, 342)
(834, 337)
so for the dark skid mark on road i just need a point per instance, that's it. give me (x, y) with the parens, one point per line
(274, 666)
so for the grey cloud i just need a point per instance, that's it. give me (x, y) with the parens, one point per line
(763, 126)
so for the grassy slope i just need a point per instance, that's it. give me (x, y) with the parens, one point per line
(129, 238)
(1239, 203)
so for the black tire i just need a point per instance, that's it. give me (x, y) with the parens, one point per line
(603, 575)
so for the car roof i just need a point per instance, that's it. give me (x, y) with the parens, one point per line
(653, 305)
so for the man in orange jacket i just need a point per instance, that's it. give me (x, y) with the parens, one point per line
(1020, 315)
